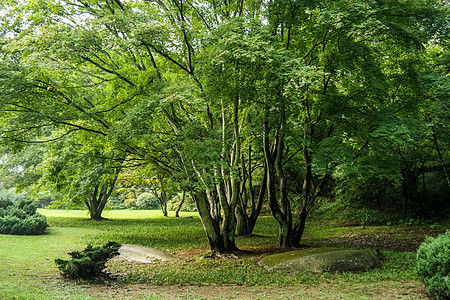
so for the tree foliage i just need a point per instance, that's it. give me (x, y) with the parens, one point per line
(231, 102)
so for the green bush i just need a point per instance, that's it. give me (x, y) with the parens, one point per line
(188, 204)
(116, 202)
(4, 203)
(147, 201)
(21, 218)
(89, 263)
(130, 202)
(433, 265)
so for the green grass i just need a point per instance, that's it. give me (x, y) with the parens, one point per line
(112, 214)
(147, 228)
(28, 270)
(27, 263)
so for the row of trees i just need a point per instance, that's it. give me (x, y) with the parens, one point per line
(232, 102)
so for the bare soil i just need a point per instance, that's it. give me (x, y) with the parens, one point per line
(406, 239)
(381, 291)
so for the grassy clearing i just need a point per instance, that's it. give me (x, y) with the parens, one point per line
(28, 270)
(113, 214)
(27, 264)
(146, 228)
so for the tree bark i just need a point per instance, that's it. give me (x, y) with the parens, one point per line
(97, 201)
(177, 212)
(283, 216)
(220, 239)
(441, 159)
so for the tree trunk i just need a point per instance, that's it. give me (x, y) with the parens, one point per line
(97, 201)
(284, 218)
(242, 221)
(163, 198)
(299, 227)
(306, 195)
(221, 238)
(441, 159)
(246, 223)
(177, 212)
(210, 225)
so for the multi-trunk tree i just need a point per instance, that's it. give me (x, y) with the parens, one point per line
(234, 101)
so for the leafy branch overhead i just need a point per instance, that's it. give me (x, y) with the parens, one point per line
(235, 103)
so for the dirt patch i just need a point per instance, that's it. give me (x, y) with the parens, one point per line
(385, 290)
(143, 254)
(402, 239)
(244, 252)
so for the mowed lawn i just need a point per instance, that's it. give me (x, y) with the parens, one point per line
(27, 269)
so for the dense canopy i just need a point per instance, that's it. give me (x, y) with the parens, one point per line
(232, 102)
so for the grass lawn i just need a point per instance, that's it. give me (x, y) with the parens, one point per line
(28, 271)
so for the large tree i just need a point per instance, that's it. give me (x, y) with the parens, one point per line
(348, 54)
(230, 100)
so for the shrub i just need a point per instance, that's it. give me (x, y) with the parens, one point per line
(21, 218)
(130, 202)
(433, 265)
(147, 201)
(116, 202)
(4, 203)
(89, 263)
(188, 204)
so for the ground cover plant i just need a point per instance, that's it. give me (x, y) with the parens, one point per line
(29, 261)
(89, 263)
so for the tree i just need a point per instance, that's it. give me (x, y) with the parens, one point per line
(395, 163)
(228, 100)
(84, 175)
(95, 73)
(337, 84)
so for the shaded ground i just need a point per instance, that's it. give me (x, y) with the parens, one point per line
(391, 238)
(406, 239)
(388, 238)
(385, 290)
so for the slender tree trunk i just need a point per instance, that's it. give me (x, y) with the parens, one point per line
(306, 195)
(282, 217)
(163, 198)
(246, 223)
(242, 220)
(257, 208)
(210, 224)
(177, 212)
(299, 227)
(441, 159)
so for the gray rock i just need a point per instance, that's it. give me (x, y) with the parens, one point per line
(143, 254)
(319, 260)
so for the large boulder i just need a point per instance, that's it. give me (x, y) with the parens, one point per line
(144, 254)
(319, 260)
